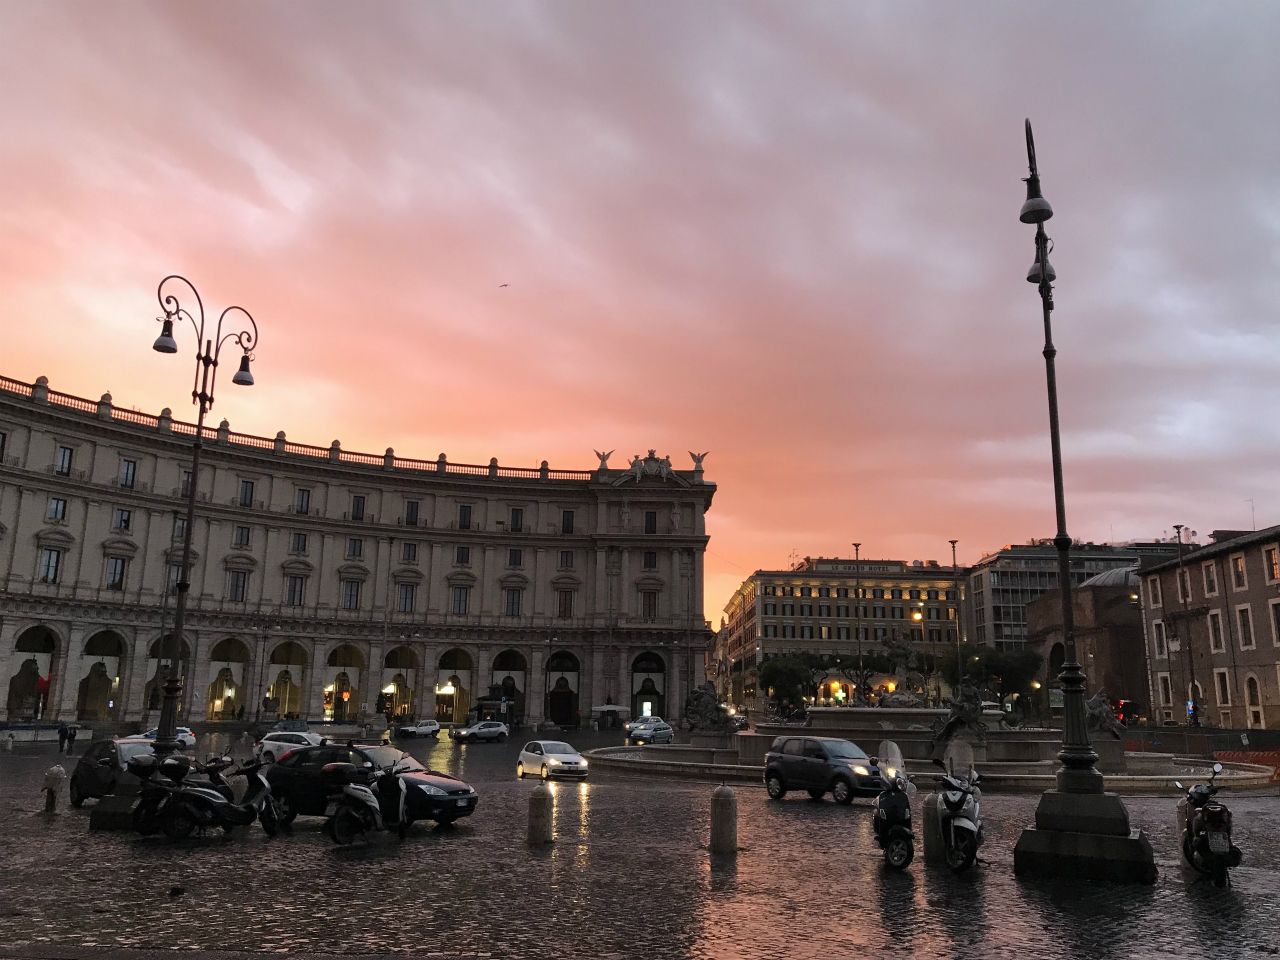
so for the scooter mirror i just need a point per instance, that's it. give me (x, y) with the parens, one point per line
(1217, 768)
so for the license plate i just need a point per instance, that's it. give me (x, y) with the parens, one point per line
(1219, 842)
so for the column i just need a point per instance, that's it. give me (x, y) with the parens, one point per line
(624, 677)
(625, 587)
(68, 684)
(536, 687)
(598, 691)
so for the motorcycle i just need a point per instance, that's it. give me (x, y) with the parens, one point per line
(157, 781)
(194, 805)
(1206, 832)
(891, 820)
(960, 821)
(363, 801)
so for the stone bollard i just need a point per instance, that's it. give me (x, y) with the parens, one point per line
(8, 743)
(540, 807)
(724, 820)
(53, 780)
(935, 850)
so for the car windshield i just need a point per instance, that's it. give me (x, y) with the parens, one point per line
(552, 746)
(130, 750)
(383, 757)
(843, 750)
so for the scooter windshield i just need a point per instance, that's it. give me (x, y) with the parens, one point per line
(891, 763)
(959, 760)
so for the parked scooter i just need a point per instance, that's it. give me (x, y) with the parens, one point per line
(1206, 832)
(363, 800)
(892, 818)
(157, 782)
(196, 805)
(960, 822)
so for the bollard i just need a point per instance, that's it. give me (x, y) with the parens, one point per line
(724, 820)
(540, 805)
(8, 744)
(53, 780)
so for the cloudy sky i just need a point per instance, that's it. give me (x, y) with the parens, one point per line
(786, 233)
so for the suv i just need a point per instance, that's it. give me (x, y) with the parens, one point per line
(423, 728)
(819, 765)
(484, 730)
(276, 743)
(655, 732)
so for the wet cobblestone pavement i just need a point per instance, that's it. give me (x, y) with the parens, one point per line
(628, 877)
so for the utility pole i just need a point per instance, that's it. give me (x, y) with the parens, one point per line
(857, 621)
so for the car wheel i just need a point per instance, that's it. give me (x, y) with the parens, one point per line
(842, 792)
(268, 757)
(544, 771)
(76, 793)
(775, 787)
(472, 738)
(815, 794)
(178, 822)
(502, 738)
(285, 814)
(520, 770)
(899, 852)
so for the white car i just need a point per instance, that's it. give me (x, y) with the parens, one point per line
(184, 736)
(549, 759)
(277, 743)
(640, 722)
(423, 728)
(659, 732)
(490, 730)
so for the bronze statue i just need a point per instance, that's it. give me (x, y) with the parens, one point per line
(1100, 716)
(966, 712)
(703, 711)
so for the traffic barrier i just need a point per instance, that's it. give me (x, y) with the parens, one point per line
(1266, 758)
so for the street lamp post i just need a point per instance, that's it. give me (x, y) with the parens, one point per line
(206, 375)
(857, 623)
(955, 580)
(1188, 657)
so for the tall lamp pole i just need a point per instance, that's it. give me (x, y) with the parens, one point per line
(955, 578)
(857, 622)
(206, 375)
(1188, 657)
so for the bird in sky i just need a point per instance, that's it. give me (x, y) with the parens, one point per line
(501, 285)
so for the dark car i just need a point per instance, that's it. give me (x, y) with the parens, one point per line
(301, 788)
(819, 765)
(101, 768)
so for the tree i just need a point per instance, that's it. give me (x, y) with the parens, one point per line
(860, 675)
(787, 678)
(999, 674)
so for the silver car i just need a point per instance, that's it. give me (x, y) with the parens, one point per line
(550, 759)
(659, 732)
(640, 722)
(484, 730)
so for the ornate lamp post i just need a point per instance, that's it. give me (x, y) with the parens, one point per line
(206, 375)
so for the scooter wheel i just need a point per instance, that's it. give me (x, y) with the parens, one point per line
(144, 819)
(269, 818)
(346, 826)
(178, 821)
(960, 857)
(899, 852)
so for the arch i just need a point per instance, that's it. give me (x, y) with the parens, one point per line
(648, 662)
(1057, 657)
(510, 660)
(401, 658)
(99, 689)
(453, 686)
(562, 661)
(345, 655)
(562, 686)
(455, 659)
(156, 667)
(399, 692)
(648, 685)
(156, 651)
(36, 649)
(345, 664)
(229, 650)
(225, 694)
(1254, 717)
(104, 643)
(291, 653)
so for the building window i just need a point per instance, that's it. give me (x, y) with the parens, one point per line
(564, 603)
(1184, 585)
(237, 585)
(298, 543)
(877, 612)
(651, 560)
(1210, 579)
(1153, 591)
(824, 609)
(123, 519)
(49, 563)
(513, 601)
(517, 519)
(895, 594)
(302, 500)
(1253, 702)
(242, 536)
(357, 507)
(770, 629)
(1271, 563)
(355, 547)
(1244, 615)
(175, 574)
(880, 634)
(115, 572)
(351, 594)
(1239, 578)
(462, 556)
(806, 632)
(566, 559)
(1157, 630)
(185, 486)
(57, 509)
(1166, 690)
(1275, 627)
(842, 610)
(770, 609)
(464, 516)
(461, 595)
(770, 591)
(1215, 632)
(935, 635)
(62, 466)
(515, 557)
(788, 631)
(842, 592)
(295, 589)
(824, 633)
(409, 552)
(806, 591)
(1222, 688)
(788, 592)
(411, 513)
(806, 609)
(406, 594)
(128, 468)
(651, 521)
(788, 609)
(649, 604)
(877, 593)
(842, 633)
(566, 521)
(898, 614)
(246, 493)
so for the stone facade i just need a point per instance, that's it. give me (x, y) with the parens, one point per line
(327, 583)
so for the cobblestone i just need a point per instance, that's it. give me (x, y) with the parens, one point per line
(628, 877)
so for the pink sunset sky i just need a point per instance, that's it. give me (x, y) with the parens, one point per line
(785, 233)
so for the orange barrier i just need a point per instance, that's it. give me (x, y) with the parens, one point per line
(1266, 758)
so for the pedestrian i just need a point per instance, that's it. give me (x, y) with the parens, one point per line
(62, 737)
(240, 712)
(71, 738)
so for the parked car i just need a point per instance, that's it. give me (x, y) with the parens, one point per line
(422, 728)
(274, 745)
(301, 789)
(659, 732)
(184, 736)
(484, 730)
(820, 765)
(102, 767)
(290, 726)
(640, 722)
(550, 759)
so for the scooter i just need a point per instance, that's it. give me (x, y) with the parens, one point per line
(1206, 832)
(154, 789)
(891, 820)
(960, 821)
(363, 801)
(197, 805)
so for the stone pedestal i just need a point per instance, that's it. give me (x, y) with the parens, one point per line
(1110, 753)
(1084, 836)
(112, 813)
(935, 848)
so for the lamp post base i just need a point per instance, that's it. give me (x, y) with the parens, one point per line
(1084, 836)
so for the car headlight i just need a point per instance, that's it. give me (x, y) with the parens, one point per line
(861, 770)
(431, 791)
(583, 761)
(553, 761)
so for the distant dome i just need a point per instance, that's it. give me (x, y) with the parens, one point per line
(1118, 577)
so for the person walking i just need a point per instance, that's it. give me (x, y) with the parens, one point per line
(62, 737)
(71, 738)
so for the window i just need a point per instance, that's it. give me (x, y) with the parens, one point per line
(1153, 591)
(788, 631)
(246, 493)
(877, 593)
(3, 438)
(462, 555)
(411, 513)
(566, 521)
(302, 500)
(1210, 579)
(1271, 563)
(186, 483)
(770, 609)
(57, 509)
(179, 531)
(517, 519)
(460, 597)
(877, 612)
(62, 465)
(564, 603)
(898, 614)
(237, 585)
(1215, 632)
(1184, 585)
(787, 592)
(651, 521)
(806, 591)
(1166, 690)
(515, 557)
(175, 574)
(1253, 702)
(933, 595)
(933, 613)
(351, 594)
(513, 601)
(115, 572)
(895, 594)
(242, 537)
(406, 594)
(842, 592)
(651, 560)
(1244, 615)
(298, 543)
(566, 559)
(824, 609)
(295, 589)
(357, 507)
(842, 633)
(770, 629)
(409, 552)
(770, 591)
(806, 609)
(1239, 578)
(842, 610)
(1275, 624)
(123, 519)
(935, 635)
(951, 595)
(128, 468)
(1162, 648)
(1222, 688)
(49, 563)
(881, 633)
(824, 591)
(355, 547)
(914, 595)
(649, 604)
(464, 516)
(806, 632)
(788, 609)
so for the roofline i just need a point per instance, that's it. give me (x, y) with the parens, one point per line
(1216, 549)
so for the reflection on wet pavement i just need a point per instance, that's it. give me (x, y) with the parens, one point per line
(628, 876)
